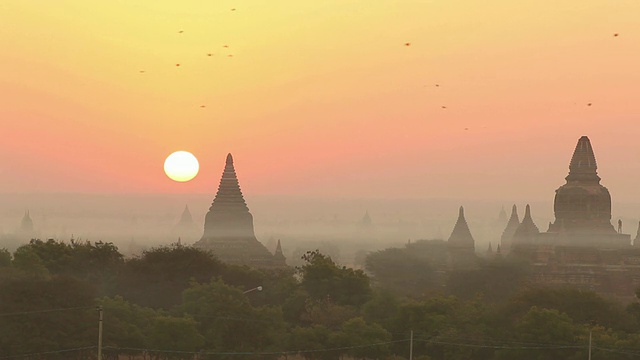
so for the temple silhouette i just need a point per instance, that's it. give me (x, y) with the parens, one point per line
(228, 227)
(581, 248)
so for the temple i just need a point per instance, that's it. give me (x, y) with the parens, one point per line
(581, 248)
(228, 227)
(510, 230)
(461, 237)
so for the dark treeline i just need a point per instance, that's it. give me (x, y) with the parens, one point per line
(178, 302)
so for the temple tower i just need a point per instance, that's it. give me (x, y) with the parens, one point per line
(582, 206)
(507, 235)
(26, 225)
(461, 237)
(186, 219)
(527, 232)
(228, 226)
(279, 255)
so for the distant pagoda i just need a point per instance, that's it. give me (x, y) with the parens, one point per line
(228, 226)
(461, 237)
(507, 235)
(527, 232)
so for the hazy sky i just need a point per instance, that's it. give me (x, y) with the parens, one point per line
(319, 98)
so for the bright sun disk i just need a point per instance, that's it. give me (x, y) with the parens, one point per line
(181, 166)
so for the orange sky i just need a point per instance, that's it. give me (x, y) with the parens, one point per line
(319, 98)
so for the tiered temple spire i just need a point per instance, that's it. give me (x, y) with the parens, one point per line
(228, 226)
(507, 235)
(461, 235)
(527, 231)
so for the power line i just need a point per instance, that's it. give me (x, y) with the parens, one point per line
(47, 352)
(46, 311)
(285, 352)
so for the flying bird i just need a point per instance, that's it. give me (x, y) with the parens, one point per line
(177, 65)
(180, 32)
(407, 44)
(141, 71)
(444, 107)
(225, 46)
(202, 106)
(234, 9)
(437, 85)
(616, 34)
(588, 104)
(209, 54)
(229, 55)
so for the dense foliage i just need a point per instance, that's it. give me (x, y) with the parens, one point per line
(178, 302)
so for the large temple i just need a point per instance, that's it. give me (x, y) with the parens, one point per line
(581, 248)
(228, 227)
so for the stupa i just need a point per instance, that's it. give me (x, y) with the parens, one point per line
(228, 226)
(461, 237)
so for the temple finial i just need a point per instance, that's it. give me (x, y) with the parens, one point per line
(229, 159)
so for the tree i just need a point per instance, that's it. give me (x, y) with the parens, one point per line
(158, 278)
(550, 334)
(41, 315)
(367, 341)
(322, 278)
(175, 338)
(5, 258)
(222, 312)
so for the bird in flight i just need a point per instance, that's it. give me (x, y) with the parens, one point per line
(177, 65)
(407, 44)
(225, 46)
(180, 32)
(437, 85)
(234, 9)
(141, 71)
(209, 54)
(588, 104)
(229, 55)
(202, 106)
(616, 34)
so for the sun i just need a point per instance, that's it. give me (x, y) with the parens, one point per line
(181, 166)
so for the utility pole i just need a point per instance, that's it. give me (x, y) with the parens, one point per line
(100, 333)
(590, 344)
(411, 346)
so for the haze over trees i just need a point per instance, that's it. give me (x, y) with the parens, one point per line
(174, 302)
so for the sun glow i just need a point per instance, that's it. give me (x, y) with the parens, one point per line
(181, 166)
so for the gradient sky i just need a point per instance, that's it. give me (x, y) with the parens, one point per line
(319, 98)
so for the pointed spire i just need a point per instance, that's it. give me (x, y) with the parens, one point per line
(186, 218)
(636, 241)
(490, 249)
(366, 220)
(498, 250)
(278, 256)
(510, 229)
(583, 165)
(502, 216)
(527, 231)
(461, 235)
(229, 194)
(26, 225)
